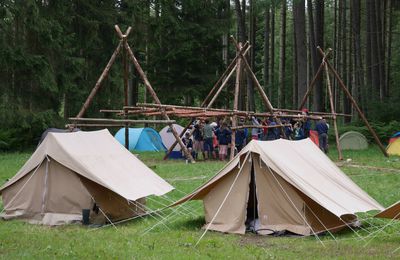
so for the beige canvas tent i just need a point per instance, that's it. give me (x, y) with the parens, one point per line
(283, 185)
(392, 212)
(83, 170)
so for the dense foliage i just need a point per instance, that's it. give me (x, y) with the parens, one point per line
(52, 52)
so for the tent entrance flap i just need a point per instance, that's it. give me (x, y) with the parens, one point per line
(252, 221)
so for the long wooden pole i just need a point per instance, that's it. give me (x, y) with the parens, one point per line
(222, 86)
(156, 100)
(346, 91)
(310, 112)
(236, 99)
(232, 112)
(103, 76)
(227, 70)
(259, 88)
(328, 83)
(260, 126)
(131, 121)
(314, 80)
(126, 78)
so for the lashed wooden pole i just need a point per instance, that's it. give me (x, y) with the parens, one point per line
(328, 83)
(346, 91)
(120, 121)
(227, 70)
(230, 69)
(236, 99)
(126, 103)
(156, 100)
(260, 89)
(103, 76)
(310, 88)
(222, 86)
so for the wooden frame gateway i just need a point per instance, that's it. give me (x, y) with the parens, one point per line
(239, 65)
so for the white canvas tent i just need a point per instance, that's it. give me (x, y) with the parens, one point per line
(73, 171)
(168, 140)
(286, 186)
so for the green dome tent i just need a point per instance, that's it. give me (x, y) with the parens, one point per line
(353, 141)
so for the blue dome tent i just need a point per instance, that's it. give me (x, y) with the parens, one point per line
(141, 139)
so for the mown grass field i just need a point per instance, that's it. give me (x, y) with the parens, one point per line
(176, 239)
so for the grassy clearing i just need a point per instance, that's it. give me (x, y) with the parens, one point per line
(176, 239)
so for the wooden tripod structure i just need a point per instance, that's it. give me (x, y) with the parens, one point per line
(127, 54)
(238, 65)
(327, 67)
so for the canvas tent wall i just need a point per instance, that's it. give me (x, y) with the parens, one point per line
(69, 172)
(391, 212)
(168, 140)
(141, 139)
(297, 188)
(394, 148)
(353, 141)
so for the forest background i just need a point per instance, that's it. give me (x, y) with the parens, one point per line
(52, 52)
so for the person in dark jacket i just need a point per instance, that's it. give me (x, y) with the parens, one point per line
(306, 123)
(198, 144)
(224, 138)
(322, 128)
(272, 133)
(240, 138)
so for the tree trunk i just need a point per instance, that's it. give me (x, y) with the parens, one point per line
(389, 45)
(241, 21)
(346, 72)
(319, 41)
(356, 28)
(252, 38)
(301, 48)
(369, 90)
(282, 63)
(335, 50)
(272, 53)
(380, 50)
(294, 68)
(374, 47)
(313, 46)
(266, 48)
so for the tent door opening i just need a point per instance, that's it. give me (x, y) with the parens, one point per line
(252, 221)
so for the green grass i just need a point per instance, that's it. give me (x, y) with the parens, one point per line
(176, 240)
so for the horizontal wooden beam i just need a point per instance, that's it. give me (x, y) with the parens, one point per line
(111, 111)
(260, 126)
(129, 121)
(310, 112)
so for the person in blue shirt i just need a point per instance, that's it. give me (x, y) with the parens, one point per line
(322, 128)
(224, 138)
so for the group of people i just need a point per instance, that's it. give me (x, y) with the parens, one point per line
(212, 139)
(208, 140)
